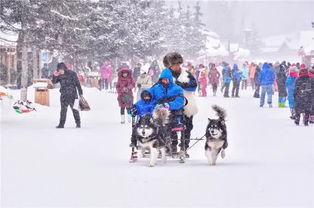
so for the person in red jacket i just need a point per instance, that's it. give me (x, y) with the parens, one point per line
(124, 88)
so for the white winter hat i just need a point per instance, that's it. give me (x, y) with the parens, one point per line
(293, 69)
(145, 68)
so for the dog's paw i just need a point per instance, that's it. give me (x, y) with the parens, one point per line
(151, 165)
(223, 154)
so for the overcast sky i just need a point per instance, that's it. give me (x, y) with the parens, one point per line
(269, 17)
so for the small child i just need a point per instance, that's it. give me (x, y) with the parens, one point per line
(142, 107)
(203, 82)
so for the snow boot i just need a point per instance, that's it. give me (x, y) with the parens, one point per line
(122, 119)
(60, 125)
(292, 110)
(297, 120)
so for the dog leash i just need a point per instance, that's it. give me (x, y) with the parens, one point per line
(197, 140)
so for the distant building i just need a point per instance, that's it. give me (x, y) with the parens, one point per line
(288, 46)
(8, 58)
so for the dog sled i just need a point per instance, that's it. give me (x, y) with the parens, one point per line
(163, 128)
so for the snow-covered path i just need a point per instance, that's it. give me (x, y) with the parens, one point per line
(269, 161)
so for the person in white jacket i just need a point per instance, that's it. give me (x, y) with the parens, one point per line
(144, 82)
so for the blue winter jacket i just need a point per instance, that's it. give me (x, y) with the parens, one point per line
(267, 75)
(245, 73)
(290, 84)
(145, 107)
(171, 93)
(226, 73)
(236, 73)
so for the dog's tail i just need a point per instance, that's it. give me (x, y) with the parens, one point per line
(221, 113)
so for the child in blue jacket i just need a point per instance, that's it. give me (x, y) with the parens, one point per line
(142, 107)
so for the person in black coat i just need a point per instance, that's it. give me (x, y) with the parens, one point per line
(302, 97)
(256, 81)
(281, 82)
(70, 85)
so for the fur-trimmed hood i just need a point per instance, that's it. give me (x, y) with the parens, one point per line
(190, 109)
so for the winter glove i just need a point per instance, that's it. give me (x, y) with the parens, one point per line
(133, 111)
(125, 89)
(182, 84)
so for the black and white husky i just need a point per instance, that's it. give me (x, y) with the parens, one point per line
(147, 139)
(216, 136)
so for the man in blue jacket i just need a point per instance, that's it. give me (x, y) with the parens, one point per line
(266, 78)
(168, 94)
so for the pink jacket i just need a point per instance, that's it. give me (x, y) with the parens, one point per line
(203, 80)
(124, 88)
(107, 72)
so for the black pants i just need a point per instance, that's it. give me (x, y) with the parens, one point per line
(226, 86)
(214, 88)
(64, 108)
(244, 84)
(122, 110)
(187, 135)
(223, 87)
(235, 88)
(256, 93)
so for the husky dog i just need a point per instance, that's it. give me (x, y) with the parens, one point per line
(216, 136)
(148, 139)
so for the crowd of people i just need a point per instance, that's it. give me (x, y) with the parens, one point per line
(293, 82)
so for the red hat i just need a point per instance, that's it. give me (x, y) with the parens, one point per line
(303, 66)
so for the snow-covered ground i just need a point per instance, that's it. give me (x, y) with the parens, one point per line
(269, 161)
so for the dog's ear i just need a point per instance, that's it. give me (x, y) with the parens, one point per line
(209, 119)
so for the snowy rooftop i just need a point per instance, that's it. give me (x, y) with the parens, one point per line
(8, 38)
